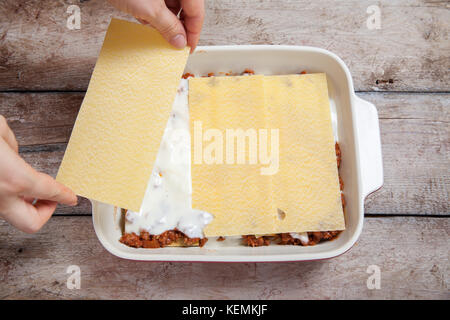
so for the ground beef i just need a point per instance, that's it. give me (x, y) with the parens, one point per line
(146, 240)
(253, 241)
(316, 237)
(248, 71)
(286, 238)
(187, 75)
(337, 149)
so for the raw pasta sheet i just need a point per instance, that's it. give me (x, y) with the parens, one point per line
(299, 188)
(119, 127)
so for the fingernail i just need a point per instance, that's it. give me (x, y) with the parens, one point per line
(179, 41)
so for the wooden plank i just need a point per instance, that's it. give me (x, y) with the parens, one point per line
(415, 138)
(46, 118)
(412, 254)
(40, 118)
(408, 53)
(416, 168)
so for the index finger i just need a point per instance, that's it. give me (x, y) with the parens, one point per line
(7, 134)
(193, 14)
(44, 187)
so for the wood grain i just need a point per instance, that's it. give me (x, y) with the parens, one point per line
(415, 139)
(40, 118)
(47, 118)
(412, 259)
(408, 53)
(415, 135)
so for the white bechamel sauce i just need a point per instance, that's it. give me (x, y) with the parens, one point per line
(167, 202)
(302, 236)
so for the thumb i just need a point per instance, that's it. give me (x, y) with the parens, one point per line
(168, 25)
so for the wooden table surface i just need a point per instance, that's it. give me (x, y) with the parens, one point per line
(403, 68)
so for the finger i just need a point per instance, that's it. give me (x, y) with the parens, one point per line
(28, 218)
(174, 6)
(193, 15)
(142, 21)
(22, 179)
(29, 199)
(7, 134)
(44, 187)
(167, 23)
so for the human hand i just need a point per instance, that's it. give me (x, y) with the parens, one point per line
(20, 184)
(162, 15)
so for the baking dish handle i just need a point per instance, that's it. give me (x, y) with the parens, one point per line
(369, 147)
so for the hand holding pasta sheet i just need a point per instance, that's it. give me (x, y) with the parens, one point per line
(28, 198)
(179, 21)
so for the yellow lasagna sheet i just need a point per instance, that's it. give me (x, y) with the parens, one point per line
(307, 182)
(237, 195)
(119, 127)
(303, 179)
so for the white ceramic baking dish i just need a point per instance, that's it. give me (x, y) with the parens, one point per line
(356, 126)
